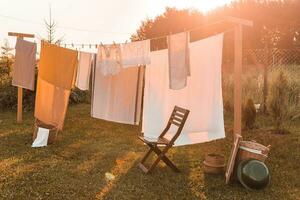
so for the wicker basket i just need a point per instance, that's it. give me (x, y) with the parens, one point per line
(252, 149)
(53, 131)
(214, 164)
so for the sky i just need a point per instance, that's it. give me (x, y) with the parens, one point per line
(87, 21)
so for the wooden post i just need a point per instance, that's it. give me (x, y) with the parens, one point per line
(238, 62)
(20, 90)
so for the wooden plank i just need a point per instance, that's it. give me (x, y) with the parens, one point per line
(21, 35)
(231, 161)
(20, 105)
(238, 61)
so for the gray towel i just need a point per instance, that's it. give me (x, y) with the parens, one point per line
(24, 66)
(179, 64)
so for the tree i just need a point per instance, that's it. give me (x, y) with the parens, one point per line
(6, 58)
(276, 23)
(51, 26)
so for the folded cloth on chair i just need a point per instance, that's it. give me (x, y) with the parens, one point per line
(24, 65)
(41, 139)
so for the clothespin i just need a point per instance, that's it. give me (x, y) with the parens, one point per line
(82, 45)
(90, 46)
(96, 46)
(65, 45)
(126, 42)
(72, 45)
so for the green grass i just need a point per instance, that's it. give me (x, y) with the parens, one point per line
(75, 167)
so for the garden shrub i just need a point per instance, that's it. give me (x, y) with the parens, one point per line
(282, 101)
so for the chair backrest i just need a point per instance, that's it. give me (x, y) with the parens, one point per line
(178, 118)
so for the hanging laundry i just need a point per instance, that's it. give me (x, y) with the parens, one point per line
(109, 59)
(118, 98)
(136, 53)
(84, 71)
(202, 95)
(24, 66)
(58, 65)
(179, 64)
(51, 103)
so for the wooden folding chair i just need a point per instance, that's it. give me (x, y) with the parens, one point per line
(178, 118)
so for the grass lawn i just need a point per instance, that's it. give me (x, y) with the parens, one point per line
(75, 167)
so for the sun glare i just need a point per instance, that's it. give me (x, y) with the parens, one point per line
(202, 5)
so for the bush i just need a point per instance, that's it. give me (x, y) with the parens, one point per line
(283, 101)
(249, 114)
(8, 94)
(78, 96)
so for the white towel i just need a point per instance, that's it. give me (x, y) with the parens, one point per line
(202, 96)
(24, 66)
(179, 65)
(41, 139)
(136, 53)
(84, 70)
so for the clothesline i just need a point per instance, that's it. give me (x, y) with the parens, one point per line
(153, 38)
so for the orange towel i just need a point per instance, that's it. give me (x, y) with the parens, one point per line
(58, 65)
(51, 104)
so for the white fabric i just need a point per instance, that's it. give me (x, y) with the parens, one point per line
(41, 139)
(83, 71)
(136, 53)
(109, 59)
(179, 65)
(202, 96)
(117, 98)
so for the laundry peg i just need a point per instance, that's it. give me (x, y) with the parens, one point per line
(72, 45)
(65, 45)
(96, 46)
(82, 45)
(90, 46)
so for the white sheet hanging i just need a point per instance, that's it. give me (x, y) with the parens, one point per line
(136, 53)
(202, 96)
(117, 98)
(83, 71)
(41, 139)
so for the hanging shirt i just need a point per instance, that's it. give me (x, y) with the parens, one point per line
(136, 53)
(179, 65)
(109, 59)
(24, 65)
(118, 98)
(58, 65)
(84, 71)
(51, 103)
(202, 96)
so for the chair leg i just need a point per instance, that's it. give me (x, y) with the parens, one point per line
(154, 164)
(165, 159)
(146, 155)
